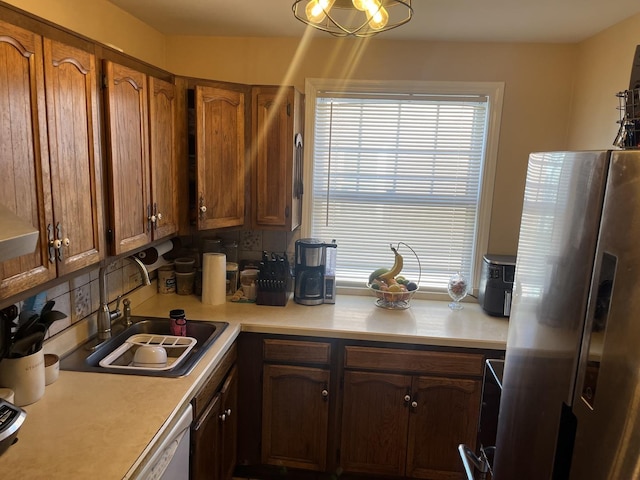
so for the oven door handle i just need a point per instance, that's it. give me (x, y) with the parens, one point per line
(471, 461)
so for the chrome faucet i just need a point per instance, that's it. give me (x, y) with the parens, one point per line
(105, 316)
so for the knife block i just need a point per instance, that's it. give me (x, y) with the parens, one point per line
(277, 295)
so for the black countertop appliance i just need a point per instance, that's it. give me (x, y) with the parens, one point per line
(496, 284)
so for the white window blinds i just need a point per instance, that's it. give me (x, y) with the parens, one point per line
(391, 168)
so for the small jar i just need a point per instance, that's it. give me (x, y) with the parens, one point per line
(185, 282)
(232, 278)
(231, 251)
(166, 279)
(178, 322)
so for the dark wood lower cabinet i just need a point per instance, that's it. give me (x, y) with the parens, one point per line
(445, 415)
(408, 425)
(374, 423)
(295, 409)
(352, 410)
(214, 431)
(205, 441)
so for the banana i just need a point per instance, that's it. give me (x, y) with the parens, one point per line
(396, 269)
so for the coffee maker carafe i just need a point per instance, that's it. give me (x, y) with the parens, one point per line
(315, 272)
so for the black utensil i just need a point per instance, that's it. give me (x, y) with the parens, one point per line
(49, 317)
(41, 328)
(25, 346)
(5, 334)
(47, 307)
(25, 328)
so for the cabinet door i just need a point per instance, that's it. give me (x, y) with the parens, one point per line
(445, 414)
(374, 423)
(128, 148)
(162, 106)
(295, 411)
(205, 442)
(276, 200)
(24, 184)
(74, 149)
(228, 418)
(220, 131)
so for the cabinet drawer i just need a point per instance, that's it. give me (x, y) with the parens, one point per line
(297, 351)
(413, 361)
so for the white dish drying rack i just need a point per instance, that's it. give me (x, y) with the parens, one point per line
(122, 357)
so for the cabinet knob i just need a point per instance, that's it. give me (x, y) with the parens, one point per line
(325, 393)
(159, 217)
(203, 209)
(152, 218)
(57, 243)
(227, 412)
(414, 404)
(223, 417)
(407, 398)
(66, 242)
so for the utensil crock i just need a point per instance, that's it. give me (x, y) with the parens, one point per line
(25, 376)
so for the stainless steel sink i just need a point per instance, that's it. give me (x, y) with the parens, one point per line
(85, 360)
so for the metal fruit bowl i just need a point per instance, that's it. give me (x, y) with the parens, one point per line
(395, 300)
(392, 300)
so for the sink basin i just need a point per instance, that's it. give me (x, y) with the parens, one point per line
(205, 334)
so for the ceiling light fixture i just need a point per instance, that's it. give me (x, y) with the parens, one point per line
(358, 18)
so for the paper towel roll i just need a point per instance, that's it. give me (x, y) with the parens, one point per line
(214, 278)
(151, 255)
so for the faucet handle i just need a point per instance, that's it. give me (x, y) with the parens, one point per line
(118, 302)
(115, 313)
(127, 311)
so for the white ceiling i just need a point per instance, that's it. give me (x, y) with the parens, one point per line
(444, 20)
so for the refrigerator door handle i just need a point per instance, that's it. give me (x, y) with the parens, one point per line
(596, 325)
(471, 461)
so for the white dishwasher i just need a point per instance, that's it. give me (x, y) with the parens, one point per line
(171, 460)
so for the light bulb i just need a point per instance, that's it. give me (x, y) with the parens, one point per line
(316, 9)
(377, 15)
(360, 4)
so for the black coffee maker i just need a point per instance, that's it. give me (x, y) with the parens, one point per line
(315, 272)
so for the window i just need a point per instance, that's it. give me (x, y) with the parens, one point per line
(401, 162)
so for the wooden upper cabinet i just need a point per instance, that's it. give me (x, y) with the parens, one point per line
(24, 185)
(220, 157)
(277, 126)
(126, 111)
(75, 156)
(162, 120)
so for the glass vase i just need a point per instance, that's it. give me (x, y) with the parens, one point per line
(457, 288)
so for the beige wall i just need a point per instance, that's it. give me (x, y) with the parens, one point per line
(538, 82)
(603, 69)
(556, 95)
(104, 22)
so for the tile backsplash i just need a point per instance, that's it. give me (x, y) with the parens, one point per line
(79, 297)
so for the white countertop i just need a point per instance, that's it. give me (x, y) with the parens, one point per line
(95, 425)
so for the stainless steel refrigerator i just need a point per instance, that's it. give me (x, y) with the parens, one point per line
(570, 402)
